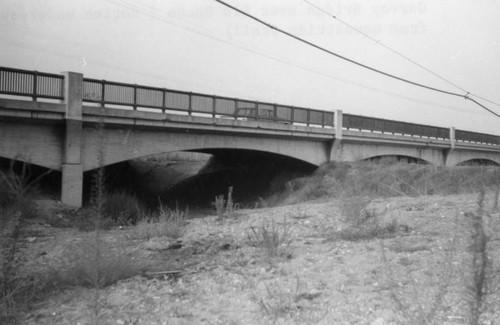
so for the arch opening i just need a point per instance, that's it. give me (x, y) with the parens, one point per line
(479, 162)
(179, 181)
(252, 174)
(48, 181)
(389, 159)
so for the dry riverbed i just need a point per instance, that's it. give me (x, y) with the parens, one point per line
(216, 273)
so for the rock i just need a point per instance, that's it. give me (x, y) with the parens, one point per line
(176, 245)
(378, 321)
(157, 244)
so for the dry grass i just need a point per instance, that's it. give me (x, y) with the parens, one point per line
(18, 288)
(166, 223)
(272, 237)
(94, 264)
(122, 208)
(286, 304)
(225, 206)
(385, 178)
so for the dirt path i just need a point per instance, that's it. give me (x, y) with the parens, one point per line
(419, 272)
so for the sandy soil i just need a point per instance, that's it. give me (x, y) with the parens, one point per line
(424, 270)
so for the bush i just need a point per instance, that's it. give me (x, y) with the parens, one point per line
(124, 209)
(167, 222)
(385, 178)
(362, 223)
(367, 231)
(272, 237)
(93, 264)
(225, 207)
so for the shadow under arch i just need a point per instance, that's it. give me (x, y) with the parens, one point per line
(388, 159)
(252, 174)
(48, 180)
(479, 162)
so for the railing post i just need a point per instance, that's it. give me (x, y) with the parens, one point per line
(135, 97)
(190, 104)
(452, 137)
(213, 106)
(35, 85)
(103, 93)
(338, 123)
(72, 169)
(163, 95)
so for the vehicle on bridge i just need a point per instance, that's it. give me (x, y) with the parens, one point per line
(258, 113)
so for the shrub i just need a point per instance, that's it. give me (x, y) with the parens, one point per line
(93, 264)
(287, 303)
(219, 205)
(225, 207)
(362, 224)
(367, 231)
(88, 219)
(167, 222)
(385, 178)
(124, 209)
(17, 290)
(16, 187)
(270, 236)
(354, 209)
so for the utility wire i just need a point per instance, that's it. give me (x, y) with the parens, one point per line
(165, 18)
(383, 45)
(466, 96)
(153, 13)
(395, 52)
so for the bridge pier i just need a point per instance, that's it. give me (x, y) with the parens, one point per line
(72, 168)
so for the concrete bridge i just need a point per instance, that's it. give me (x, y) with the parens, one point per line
(74, 124)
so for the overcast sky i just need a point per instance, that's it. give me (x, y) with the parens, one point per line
(202, 46)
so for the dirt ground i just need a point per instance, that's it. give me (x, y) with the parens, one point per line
(421, 272)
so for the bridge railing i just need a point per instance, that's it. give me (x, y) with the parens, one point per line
(372, 124)
(106, 92)
(34, 84)
(467, 136)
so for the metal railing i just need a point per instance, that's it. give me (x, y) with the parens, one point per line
(115, 93)
(31, 83)
(483, 138)
(46, 85)
(395, 127)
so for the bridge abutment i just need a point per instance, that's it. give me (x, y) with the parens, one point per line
(72, 168)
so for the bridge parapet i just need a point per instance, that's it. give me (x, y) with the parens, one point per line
(163, 100)
(104, 93)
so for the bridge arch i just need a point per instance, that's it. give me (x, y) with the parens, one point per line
(121, 145)
(479, 162)
(351, 152)
(400, 158)
(460, 157)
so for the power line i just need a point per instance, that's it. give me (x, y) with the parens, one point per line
(153, 13)
(165, 18)
(466, 96)
(378, 42)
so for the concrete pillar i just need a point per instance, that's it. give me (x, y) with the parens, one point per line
(452, 138)
(338, 124)
(72, 169)
(336, 150)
